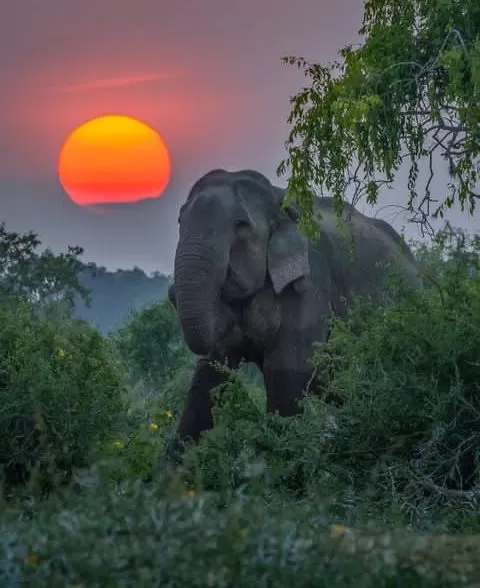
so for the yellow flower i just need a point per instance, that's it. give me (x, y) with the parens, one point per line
(169, 414)
(32, 560)
(337, 530)
(39, 423)
(60, 353)
(118, 444)
(191, 493)
(153, 427)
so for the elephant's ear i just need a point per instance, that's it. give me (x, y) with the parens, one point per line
(287, 255)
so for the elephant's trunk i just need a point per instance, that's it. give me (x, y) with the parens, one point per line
(199, 273)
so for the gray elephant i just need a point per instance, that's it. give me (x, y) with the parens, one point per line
(249, 285)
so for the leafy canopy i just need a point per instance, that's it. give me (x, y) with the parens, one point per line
(410, 92)
(40, 277)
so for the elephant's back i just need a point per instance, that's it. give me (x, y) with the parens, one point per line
(371, 234)
(361, 250)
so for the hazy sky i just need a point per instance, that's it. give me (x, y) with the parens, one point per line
(206, 74)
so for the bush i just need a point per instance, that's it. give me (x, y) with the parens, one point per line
(411, 378)
(61, 393)
(254, 452)
(151, 420)
(158, 536)
(150, 345)
(132, 454)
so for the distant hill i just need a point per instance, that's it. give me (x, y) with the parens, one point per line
(114, 295)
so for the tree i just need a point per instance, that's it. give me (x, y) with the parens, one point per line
(39, 277)
(151, 343)
(410, 92)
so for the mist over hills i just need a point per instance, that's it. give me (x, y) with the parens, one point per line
(115, 294)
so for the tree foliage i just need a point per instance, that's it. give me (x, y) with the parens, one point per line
(61, 391)
(40, 277)
(151, 345)
(410, 93)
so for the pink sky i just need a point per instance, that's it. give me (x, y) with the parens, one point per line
(207, 75)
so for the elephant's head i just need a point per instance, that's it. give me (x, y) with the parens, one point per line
(233, 238)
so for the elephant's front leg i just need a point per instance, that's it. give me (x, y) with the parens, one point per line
(285, 382)
(197, 414)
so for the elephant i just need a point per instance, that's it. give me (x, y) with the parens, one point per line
(248, 285)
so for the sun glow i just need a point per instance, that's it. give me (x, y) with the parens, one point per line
(113, 159)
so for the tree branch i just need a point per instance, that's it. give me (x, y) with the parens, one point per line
(447, 492)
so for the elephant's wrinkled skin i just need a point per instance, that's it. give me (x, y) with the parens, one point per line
(248, 284)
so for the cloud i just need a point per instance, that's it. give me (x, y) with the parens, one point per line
(123, 81)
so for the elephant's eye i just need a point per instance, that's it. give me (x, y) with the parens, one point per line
(241, 223)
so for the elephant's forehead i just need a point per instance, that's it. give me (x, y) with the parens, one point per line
(218, 200)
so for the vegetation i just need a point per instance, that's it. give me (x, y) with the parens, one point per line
(151, 344)
(39, 277)
(408, 94)
(43, 277)
(382, 490)
(61, 392)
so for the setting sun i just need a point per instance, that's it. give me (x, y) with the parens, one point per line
(113, 159)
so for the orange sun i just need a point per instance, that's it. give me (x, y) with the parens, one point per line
(113, 159)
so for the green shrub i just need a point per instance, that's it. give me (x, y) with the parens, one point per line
(133, 452)
(150, 345)
(151, 420)
(251, 451)
(61, 393)
(158, 536)
(410, 375)
(159, 370)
